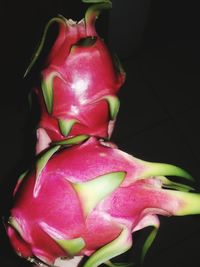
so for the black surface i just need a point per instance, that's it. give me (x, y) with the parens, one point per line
(160, 107)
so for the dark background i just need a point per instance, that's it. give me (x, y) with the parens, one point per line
(158, 44)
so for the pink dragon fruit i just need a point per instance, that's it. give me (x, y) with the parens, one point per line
(78, 93)
(85, 197)
(89, 198)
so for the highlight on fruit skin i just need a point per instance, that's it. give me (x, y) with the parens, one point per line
(80, 80)
(89, 198)
(84, 196)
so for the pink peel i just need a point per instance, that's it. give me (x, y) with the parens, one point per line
(85, 197)
(60, 215)
(72, 83)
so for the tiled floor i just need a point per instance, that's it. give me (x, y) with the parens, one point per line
(158, 120)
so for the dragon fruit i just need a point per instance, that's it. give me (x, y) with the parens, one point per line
(80, 81)
(89, 198)
(84, 197)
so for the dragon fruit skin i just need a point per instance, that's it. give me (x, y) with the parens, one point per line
(88, 199)
(80, 81)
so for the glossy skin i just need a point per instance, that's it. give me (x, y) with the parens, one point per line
(83, 80)
(85, 197)
(91, 197)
